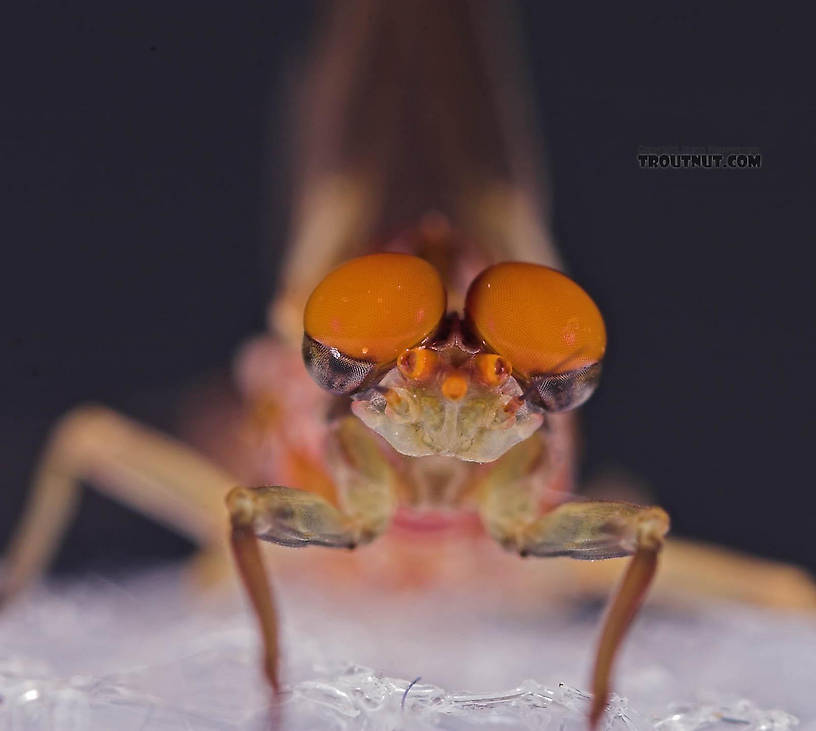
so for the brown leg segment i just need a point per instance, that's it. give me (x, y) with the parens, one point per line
(619, 616)
(298, 518)
(589, 530)
(247, 555)
(288, 517)
(600, 530)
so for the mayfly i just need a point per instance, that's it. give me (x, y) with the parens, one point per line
(426, 351)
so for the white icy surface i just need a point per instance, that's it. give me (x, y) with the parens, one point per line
(145, 654)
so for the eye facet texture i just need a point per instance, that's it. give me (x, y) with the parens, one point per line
(332, 370)
(536, 317)
(374, 307)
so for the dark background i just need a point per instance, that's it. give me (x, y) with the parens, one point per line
(144, 209)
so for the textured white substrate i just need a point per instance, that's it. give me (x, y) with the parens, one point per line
(143, 654)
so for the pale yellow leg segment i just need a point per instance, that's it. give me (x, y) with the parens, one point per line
(588, 531)
(366, 481)
(146, 470)
(510, 494)
(293, 517)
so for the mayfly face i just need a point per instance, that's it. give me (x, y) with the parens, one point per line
(433, 383)
(441, 408)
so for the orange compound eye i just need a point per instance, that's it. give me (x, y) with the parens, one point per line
(537, 317)
(365, 313)
(545, 324)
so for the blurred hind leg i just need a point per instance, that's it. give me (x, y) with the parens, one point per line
(146, 470)
(691, 572)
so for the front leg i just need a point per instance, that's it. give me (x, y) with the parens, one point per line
(290, 517)
(583, 530)
(601, 530)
